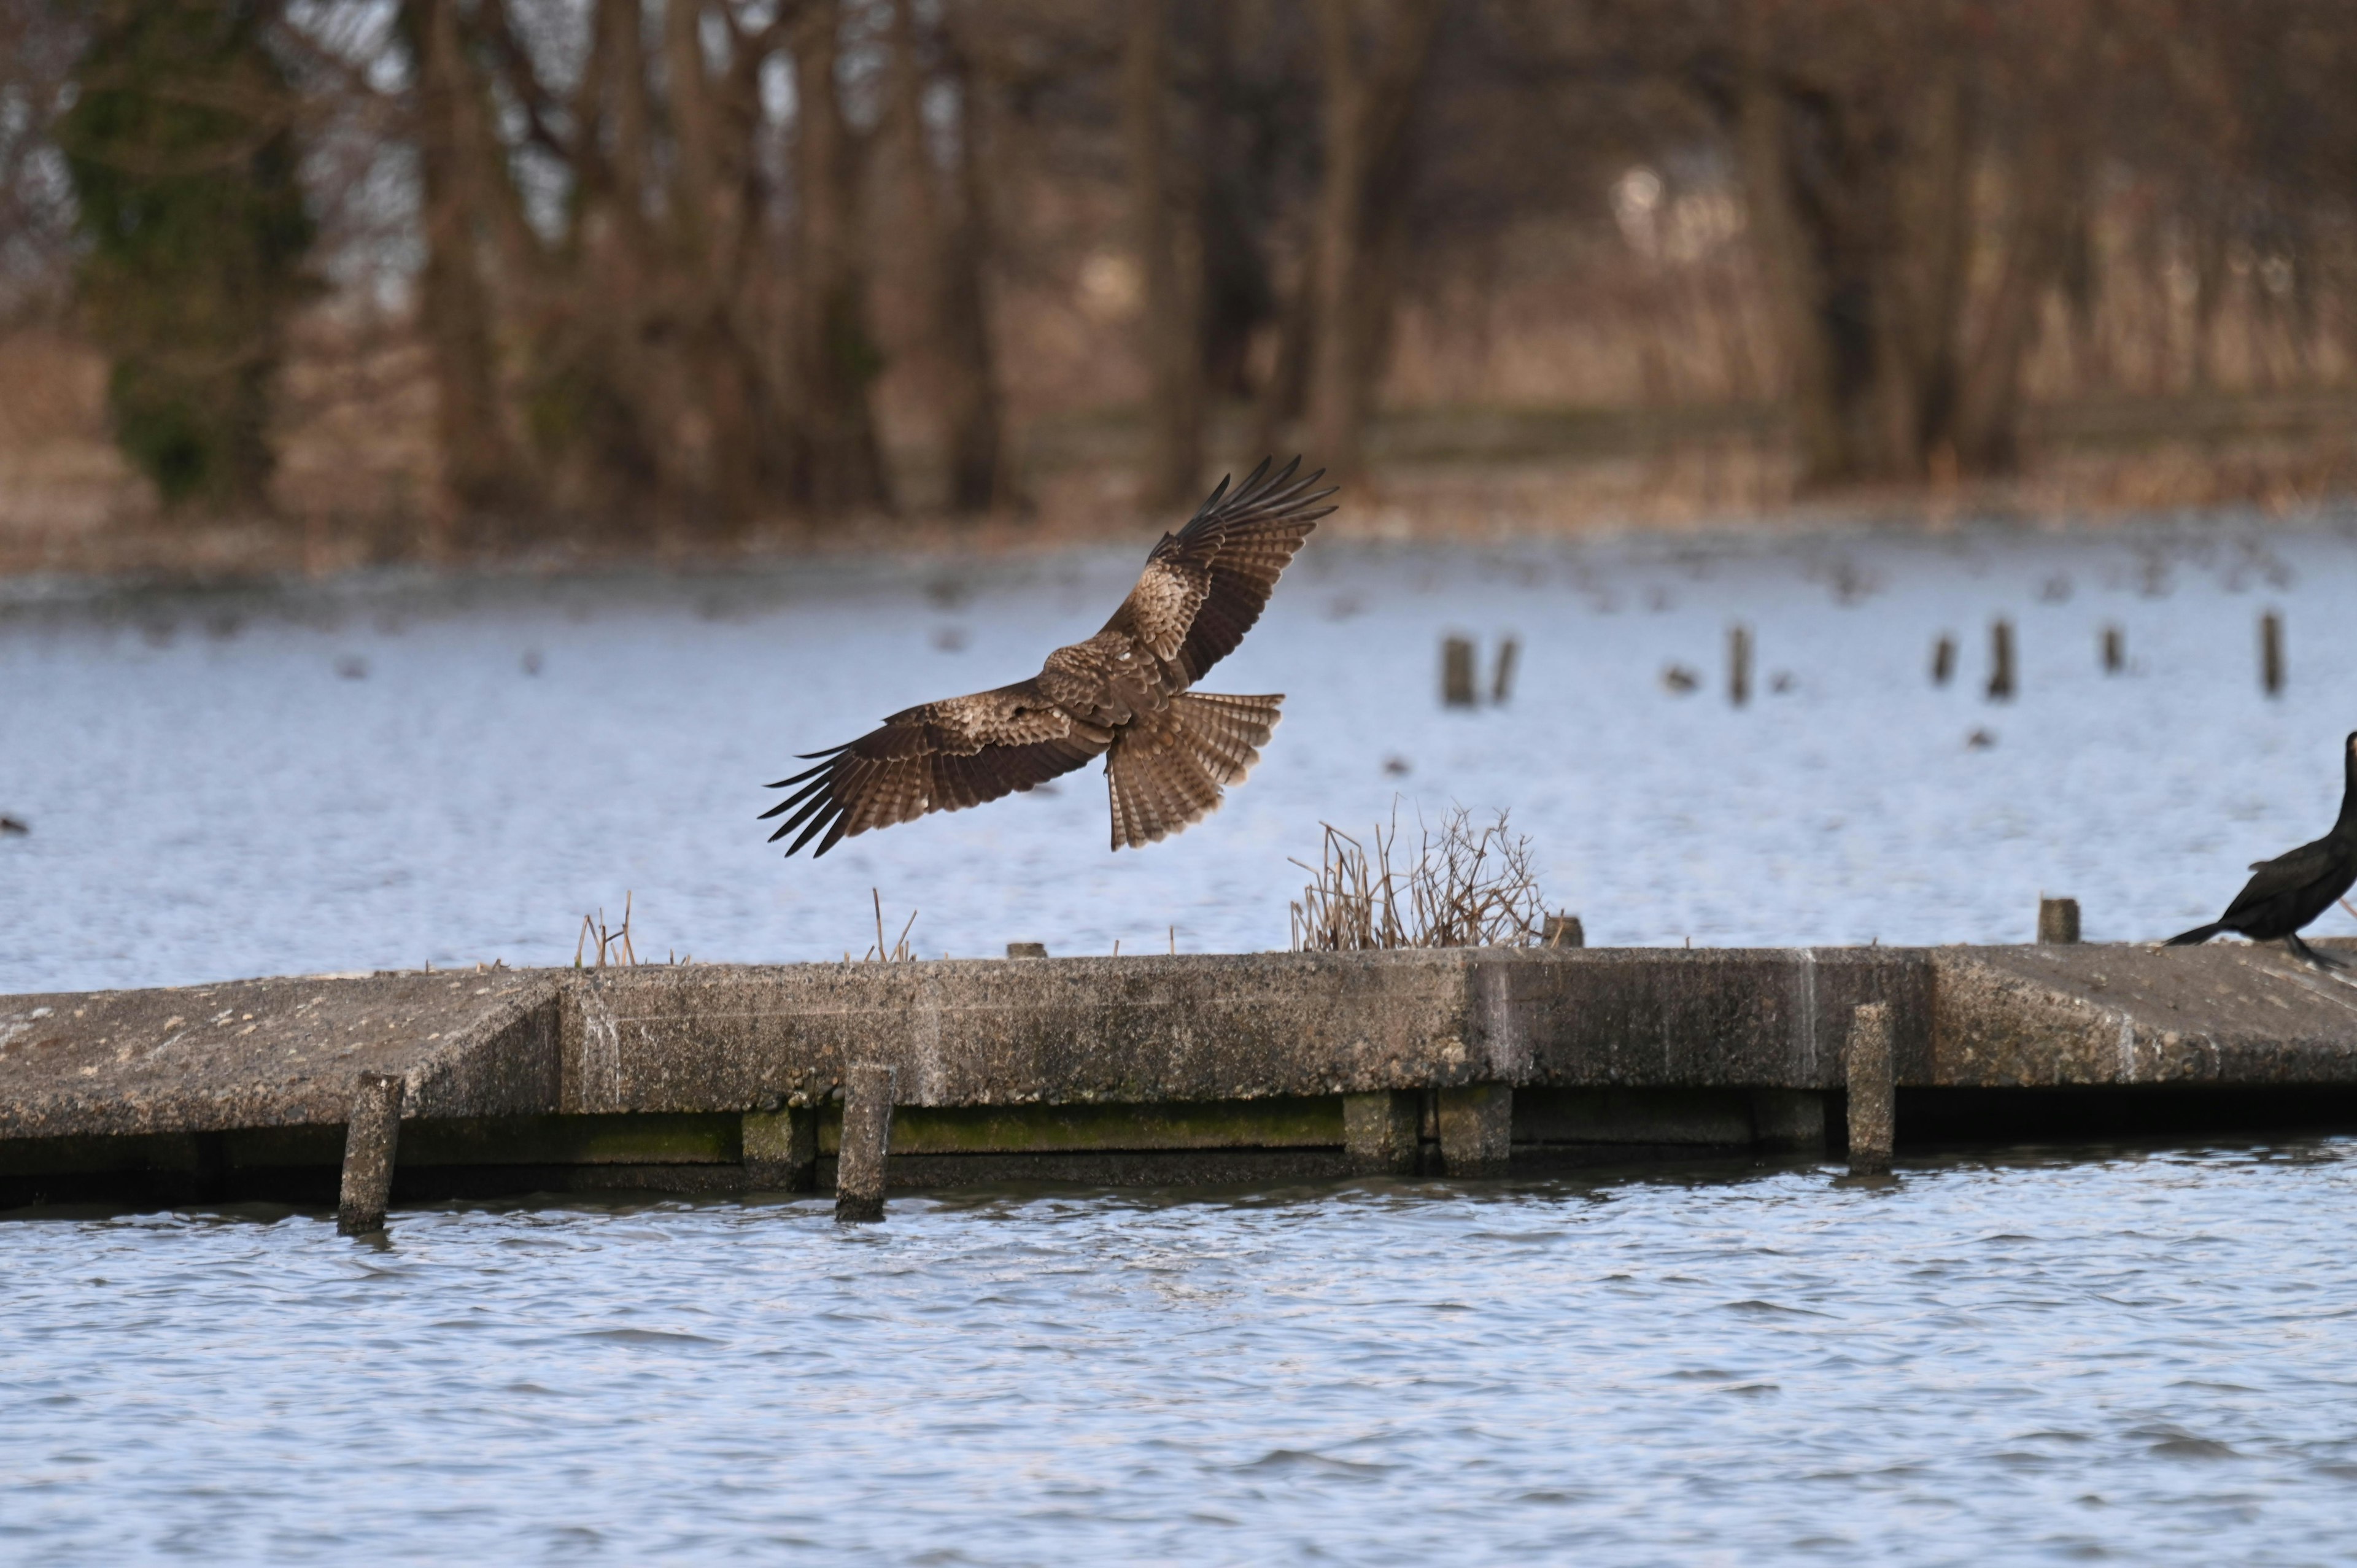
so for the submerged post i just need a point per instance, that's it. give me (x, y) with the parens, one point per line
(1943, 660)
(1873, 1109)
(2116, 649)
(2057, 920)
(2271, 653)
(1378, 1132)
(1477, 1129)
(1457, 672)
(1738, 664)
(866, 1142)
(369, 1138)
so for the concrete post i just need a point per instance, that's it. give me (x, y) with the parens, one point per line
(1457, 672)
(782, 1148)
(866, 1142)
(1788, 1121)
(1873, 1107)
(1563, 931)
(1378, 1132)
(1477, 1129)
(2057, 920)
(370, 1140)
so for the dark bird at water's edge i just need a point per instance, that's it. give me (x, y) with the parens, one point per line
(1123, 695)
(2292, 889)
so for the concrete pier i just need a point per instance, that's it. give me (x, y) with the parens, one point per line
(1145, 1069)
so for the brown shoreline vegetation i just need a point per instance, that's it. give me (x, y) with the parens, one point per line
(592, 282)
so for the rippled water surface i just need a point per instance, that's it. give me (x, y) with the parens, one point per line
(2147, 1356)
(381, 773)
(2143, 1355)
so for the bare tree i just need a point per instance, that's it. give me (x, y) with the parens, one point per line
(1374, 55)
(1165, 226)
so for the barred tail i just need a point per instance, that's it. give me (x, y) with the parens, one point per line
(1165, 770)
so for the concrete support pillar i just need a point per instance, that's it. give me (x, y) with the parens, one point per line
(782, 1148)
(866, 1142)
(1873, 1099)
(370, 1140)
(1788, 1121)
(1378, 1132)
(1477, 1129)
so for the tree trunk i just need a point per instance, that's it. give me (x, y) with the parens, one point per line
(948, 256)
(480, 472)
(980, 478)
(1366, 111)
(839, 466)
(1161, 217)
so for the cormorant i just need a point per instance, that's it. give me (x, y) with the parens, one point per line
(2293, 889)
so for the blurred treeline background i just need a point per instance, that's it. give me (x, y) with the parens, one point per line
(368, 279)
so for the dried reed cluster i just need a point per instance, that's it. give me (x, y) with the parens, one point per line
(613, 945)
(899, 951)
(1468, 886)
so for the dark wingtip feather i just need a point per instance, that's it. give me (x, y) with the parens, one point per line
(834, 836)
(812, 832)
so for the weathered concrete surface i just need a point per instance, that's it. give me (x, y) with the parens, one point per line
(694, 1075)
(269, 1053)
(2229, 1013)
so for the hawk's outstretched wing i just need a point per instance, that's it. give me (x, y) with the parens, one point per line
(941, 756)
(1204, 586)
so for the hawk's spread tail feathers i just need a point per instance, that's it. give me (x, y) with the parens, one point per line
(1166, 767)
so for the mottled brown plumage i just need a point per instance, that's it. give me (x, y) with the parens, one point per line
(1123, 695)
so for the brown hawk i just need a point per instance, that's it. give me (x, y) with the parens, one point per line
(1123, 695)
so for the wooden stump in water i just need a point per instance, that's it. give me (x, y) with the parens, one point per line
(1501, 684)
(2000, 681)
(1457, 672)
(2271, 654)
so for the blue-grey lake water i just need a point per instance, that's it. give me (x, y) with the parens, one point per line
(2144, 1357)
(2145, 1354)
(383, 772)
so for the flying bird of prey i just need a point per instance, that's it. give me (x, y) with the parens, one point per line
(1125, 694)
(2294, 887)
